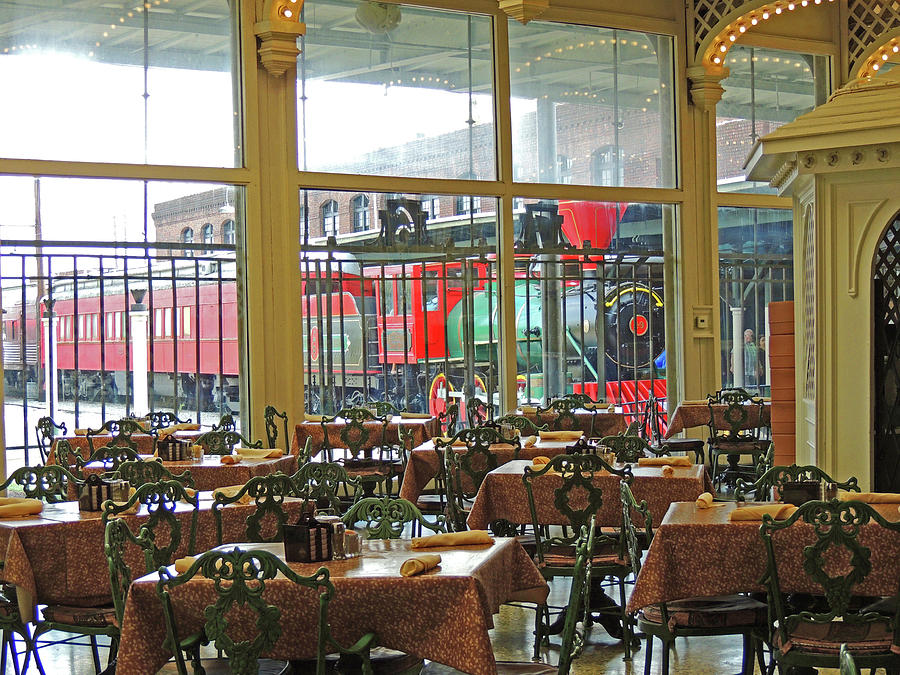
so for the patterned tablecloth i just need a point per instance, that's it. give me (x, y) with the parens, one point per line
(424, 464)
(688, 415)
(597, 423)
(422, 429)
(443, 615)
(502, 494)
(699, 552)
(211, 473)
(57, 556)
(144, 443)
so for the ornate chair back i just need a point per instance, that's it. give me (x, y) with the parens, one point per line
(239, 579)
(523, 424)
(630, 448)
(777, 476)
(111, 456)
(579, 601)
(45, 430)
(118, 540)
(577, 497)
(385, 517)
(742, 416)
(449, 419)
(836, 565)
(563, 411)
(266, 522)
(270, 414)
(221, 442)
(49, 482)
(161, 501)
(120, 431)
(477, 412)
(139, 472)
(162, 419)
(323, 482)
(226, 423)
(359, 432)
(633, 540)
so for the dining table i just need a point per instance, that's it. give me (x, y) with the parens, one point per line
(209, 472)
(57, 556)
(421, 427)
(689, 414)
(424, 463)
(597, 422)
(443, 615)
(502, 494)
(701, 552)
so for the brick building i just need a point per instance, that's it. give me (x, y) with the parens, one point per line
(202, 218)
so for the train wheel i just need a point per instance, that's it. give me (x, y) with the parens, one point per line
(438, 394)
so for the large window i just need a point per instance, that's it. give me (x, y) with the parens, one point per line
(591, 106)
(361, 215)
(330, 220)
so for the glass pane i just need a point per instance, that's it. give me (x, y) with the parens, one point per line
(755, 268)
(591, 106)
(590, 302)
(116, 293)
(764, 90)
(395, 312)
(151, 83)
(396, 90)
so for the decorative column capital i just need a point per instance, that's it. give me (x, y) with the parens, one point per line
(706, 89)
(277, 32)
(524, 10)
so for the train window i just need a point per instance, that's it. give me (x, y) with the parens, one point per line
(95, 326)
(186, 322)
(167, 318)
(390, 297)
(431, 291)
(157, 323)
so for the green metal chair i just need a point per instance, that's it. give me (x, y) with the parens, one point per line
(226, 423)
(704, 616)
(777, 476)
(49, 483)
(120, 432)
(385, 517)
(651, 426)
(630, 448)
(478, 412)
(577, 499)
(848, 665)
(743, 417)
(449, 419)
(111, 456)
(271, 414)
(363, 435)
(328, 484)
(163, 419)
(265, 523)
(563, 411)
(139, 472)
(835, 563)
(222, 442)
(46, 430)
(464, 470)
(240, 579)
(521, 423)
(65, 455)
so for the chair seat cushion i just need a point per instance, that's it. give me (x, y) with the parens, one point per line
(683, 443)
(91, 617)
(604, 556)
(874, 637)
(721, 611)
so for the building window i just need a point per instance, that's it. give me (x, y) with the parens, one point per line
(564, 169)
(467, 204)
(608, 166)
(361, 217)
(208, 234)
(187, 236)
(431, 205)
(228, 232)
(329, 218)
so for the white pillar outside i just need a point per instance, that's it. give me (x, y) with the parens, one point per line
(139, 392)
(51, 393)
(737, 351)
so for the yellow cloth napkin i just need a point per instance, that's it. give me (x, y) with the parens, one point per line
(231, 491)
(446, 439)
(572, 435)
(469, 538)
(313, 418)
(529, 441)
(871, 497)
(182, 565)
(419, 564)
(528, 409)
(414, 416)
(705, 500)
(10, 507)
(668, 471)
(779, 511)
(261, 453)
(599, 405)
(231, 459)
(81, 432)
(539, 462)
(664, 461)
(183, 426)
(697, 401)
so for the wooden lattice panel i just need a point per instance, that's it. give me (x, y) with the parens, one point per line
(867, 21)
(707, 14)
(809, 306)
(886, 366)
(887, 269)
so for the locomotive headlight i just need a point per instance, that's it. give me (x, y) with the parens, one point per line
(586, 326)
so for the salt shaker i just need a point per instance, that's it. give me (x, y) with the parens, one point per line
(351, 544)
(337, 536)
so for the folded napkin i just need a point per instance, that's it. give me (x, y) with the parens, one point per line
(871, 497)
(778, 511)
(231, 491)
(182, 565)
(664, 461)
(528, 409)
(414, 416)
(231, 459)
(10, 507)
(419, 564)
(313, 418)
(81, 432)
(261, 453)
(183, 426)
(469, 538)
(539, 462)
(528, 441)
(705, 500)
(697, 401)
(668, 471)
(458, 442)
(599, 405)
(572, 435)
